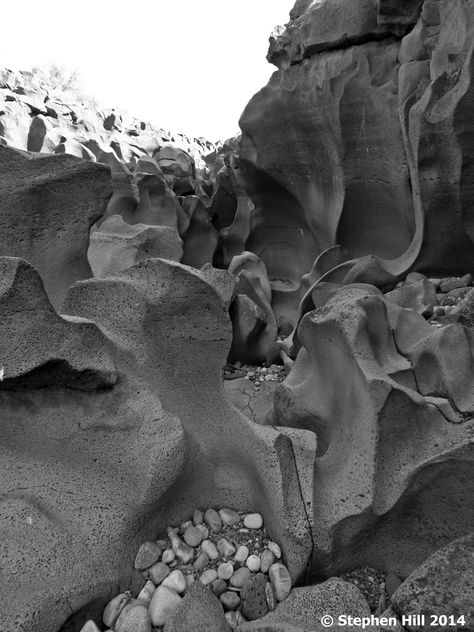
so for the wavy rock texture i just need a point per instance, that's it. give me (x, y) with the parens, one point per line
(363, 138)
(105, 467)
(47, 207)
(393, 414)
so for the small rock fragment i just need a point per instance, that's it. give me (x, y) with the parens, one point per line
(242, 554)
(175, 581)
(270, 596)
(168, 556)
(253, 521)
(204, 530)
(163, 604)
(148, 554)
(114, 608)
(225, 548)
(184, 525)
(193, 536)
(158, 572)
(275, 549)
(145, 594)
(208, 577)
(183, 552)
(239, 577)
(209, 548)
(212, 519)
(229, 517)
(235, 618)
(219, 587)
(225, 570)
(201, 561)
(198, 517)
(230, 600)
(267, 559)
(281, 580)
(90, 626)
(253, 563)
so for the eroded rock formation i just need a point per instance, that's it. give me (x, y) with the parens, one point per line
(119, 446)
(134, 268)
(362, 138)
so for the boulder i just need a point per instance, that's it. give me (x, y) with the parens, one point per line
(442, 585)
(303, 610)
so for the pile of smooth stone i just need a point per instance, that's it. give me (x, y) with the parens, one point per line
(226, 551)
(256, 374)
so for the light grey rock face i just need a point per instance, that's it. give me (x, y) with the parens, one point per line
(133, 339)
(116, 245)
(368, 145)
(398, 462)
(47, 207)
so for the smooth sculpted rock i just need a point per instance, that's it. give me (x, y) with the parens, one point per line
(199, 611)
(151, 440)
(38, 347)
(116, 245)
(346, 181)
(437, 128)
(58, 199)
(399, 460)
(359, 140)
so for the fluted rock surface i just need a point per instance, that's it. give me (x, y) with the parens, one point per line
(363, 138)
(393, 413)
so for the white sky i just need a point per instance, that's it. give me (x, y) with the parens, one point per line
(189, 66)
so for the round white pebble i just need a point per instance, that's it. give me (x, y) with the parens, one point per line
(208, 577)
(225, 571)
(253, 521)
(253, 563)
(168, 556)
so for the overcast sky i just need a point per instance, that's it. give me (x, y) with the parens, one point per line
(189, 66)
